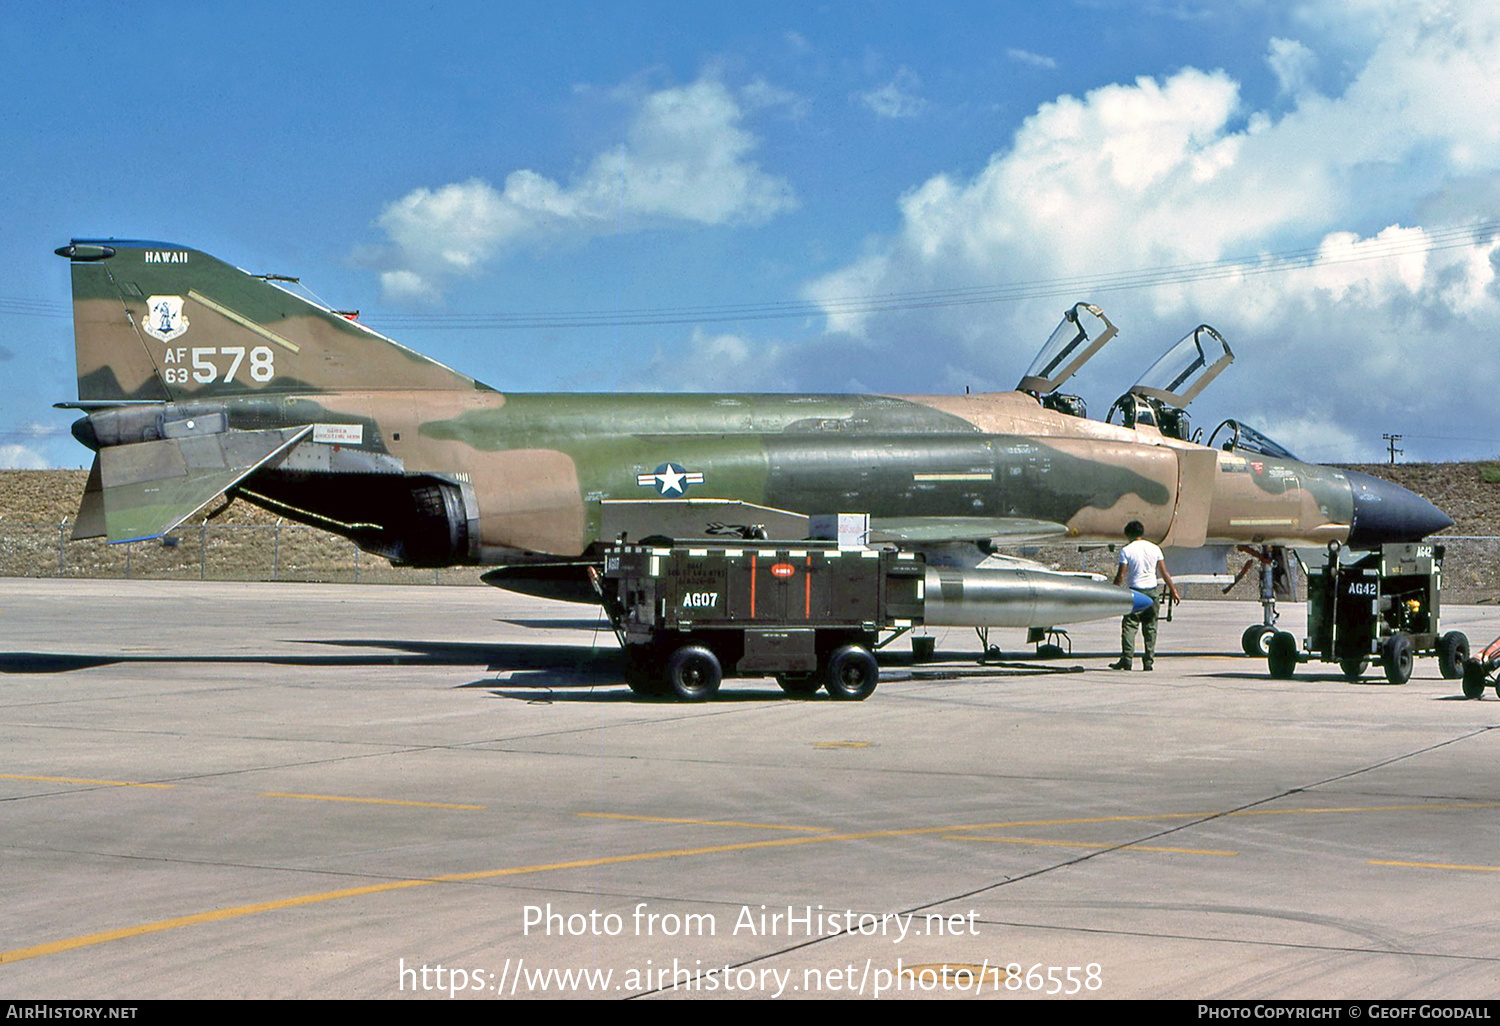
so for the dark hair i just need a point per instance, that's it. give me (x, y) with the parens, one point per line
(1135, 529)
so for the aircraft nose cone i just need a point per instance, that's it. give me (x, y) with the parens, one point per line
(1385, 512)
(1140, 601)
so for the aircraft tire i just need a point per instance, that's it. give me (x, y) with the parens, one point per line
(1281, 655)
(1453, 653)
(1354, 667)
(1253, 641)
(852, 674)
(1474, 678)
(693, 674)
(1397, 656)
(799, 685)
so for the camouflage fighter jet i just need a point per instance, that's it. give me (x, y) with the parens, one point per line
(198, 379)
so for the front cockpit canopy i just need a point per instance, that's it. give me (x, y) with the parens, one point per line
(1159, 398)
(1186, 369)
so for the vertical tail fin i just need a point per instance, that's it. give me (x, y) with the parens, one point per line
(154, 321)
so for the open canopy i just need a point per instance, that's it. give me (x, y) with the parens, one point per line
(1082, 333)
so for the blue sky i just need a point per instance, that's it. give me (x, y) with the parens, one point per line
(439, 166)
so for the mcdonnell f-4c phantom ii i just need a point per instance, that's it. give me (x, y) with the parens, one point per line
(199, 380)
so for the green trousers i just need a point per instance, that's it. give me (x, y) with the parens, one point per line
(1145, 622)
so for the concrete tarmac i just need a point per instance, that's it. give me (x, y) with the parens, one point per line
(254, 790)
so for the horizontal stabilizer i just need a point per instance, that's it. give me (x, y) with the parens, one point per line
(144, 490)
(937, 530)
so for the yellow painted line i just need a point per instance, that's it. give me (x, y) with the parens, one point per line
(368, 801)
(972, 971)
(842, 744)
(83, 780)
(1434, 865)
(702, 822)
(219, 915)
(1091, 844)
(1369, 808)
(1245, 812)
(89, 940)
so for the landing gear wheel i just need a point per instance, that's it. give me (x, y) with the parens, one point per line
(1253, 641)
(1474, 679)
(1396, 654)
(852, 673)
(693, 674)
(1281, 655)
(1354, 667)
(799, 685)
(1453, 653)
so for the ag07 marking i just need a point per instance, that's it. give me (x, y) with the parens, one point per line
(700, 600)
(203, 364)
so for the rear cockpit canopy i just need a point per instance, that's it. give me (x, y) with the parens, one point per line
(1082, 333)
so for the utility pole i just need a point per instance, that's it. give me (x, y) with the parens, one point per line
(1390, 441)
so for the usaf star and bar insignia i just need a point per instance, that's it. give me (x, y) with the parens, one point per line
(670, 479)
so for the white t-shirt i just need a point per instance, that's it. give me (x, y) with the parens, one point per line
(1140, 558)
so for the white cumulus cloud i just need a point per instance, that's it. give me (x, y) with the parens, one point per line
(1036, 60)
(685, 161)
(21, 457)
(1170, 171)
(897, 98)
(722, 362)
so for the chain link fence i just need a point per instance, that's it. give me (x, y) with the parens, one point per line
(209, 552)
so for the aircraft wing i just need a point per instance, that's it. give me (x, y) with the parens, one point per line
(141, 491)
(937, 530)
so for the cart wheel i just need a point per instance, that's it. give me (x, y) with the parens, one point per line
(1453, 653)
(1396, 654)
(852, 673)
(1281, 655)
(693, 674)
(1473, 678)
(1253, 641)
(1354, 667)
(799, 685)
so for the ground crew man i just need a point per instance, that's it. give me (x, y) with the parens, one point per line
(1143, 568)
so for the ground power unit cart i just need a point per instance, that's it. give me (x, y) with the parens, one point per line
(809, 614)
(1381, 608)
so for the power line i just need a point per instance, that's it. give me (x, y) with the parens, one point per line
(1405, 244)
